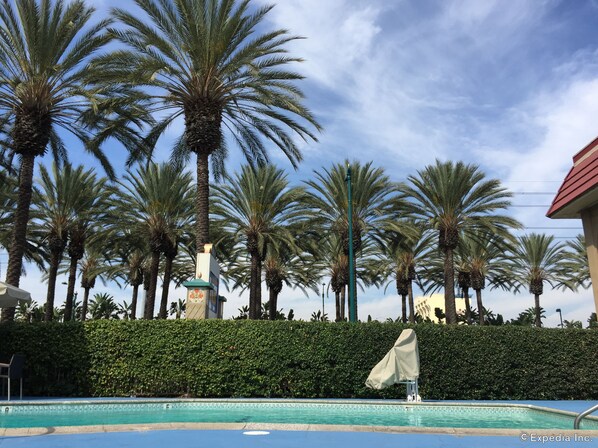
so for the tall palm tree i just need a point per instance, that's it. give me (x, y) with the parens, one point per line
(60, 198)
(338, 269)
(374, 204)
(92, 266)
(464, 283)
(538, 259)
(455, 199)
(488, 257)
(212, 63)
(577, 260)
(157, 202)
(401, 255)
(284, 267)
(258, 209)
(89, 211)
(46, 84)
(127, 256)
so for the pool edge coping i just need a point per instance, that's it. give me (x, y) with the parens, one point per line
(64, 430)
(143, 427)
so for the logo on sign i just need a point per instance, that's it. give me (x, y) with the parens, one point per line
(195, 295)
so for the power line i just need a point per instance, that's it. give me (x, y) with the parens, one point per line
(531, 205)
(555, 228)
(534, 192)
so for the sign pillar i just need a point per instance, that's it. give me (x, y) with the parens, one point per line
(202, 292)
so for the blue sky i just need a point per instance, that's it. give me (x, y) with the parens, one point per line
(509, 85)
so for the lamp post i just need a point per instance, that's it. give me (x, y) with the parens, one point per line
(352, 304)
(323, 286)
(558, 310)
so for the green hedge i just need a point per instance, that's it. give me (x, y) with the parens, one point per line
(298, 359)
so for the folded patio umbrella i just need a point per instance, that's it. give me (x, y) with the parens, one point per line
(11, 296)
(400, 365)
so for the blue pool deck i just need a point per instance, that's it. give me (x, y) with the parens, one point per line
(309, 439)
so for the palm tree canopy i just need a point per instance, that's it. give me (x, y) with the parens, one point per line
(45, 79)
(257, 208)
(537, 258)
(68, 197)
(374, 201)
(157, 202)
(577, 260)
(486, 258)
(456, 199)
(403, 253)
(208, 61)
(8, 202)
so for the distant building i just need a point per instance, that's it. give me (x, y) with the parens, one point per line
(426, 306)
(578, 198)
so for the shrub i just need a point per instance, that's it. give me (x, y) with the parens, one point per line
(298, 359)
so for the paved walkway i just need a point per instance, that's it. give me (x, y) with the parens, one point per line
(291, 439)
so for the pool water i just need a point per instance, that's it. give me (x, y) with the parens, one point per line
(334, 413)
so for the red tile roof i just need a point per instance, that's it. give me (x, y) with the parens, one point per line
(580, 188)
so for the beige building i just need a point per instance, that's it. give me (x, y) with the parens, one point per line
(426, 306)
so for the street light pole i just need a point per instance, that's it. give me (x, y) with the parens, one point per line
(323, 286)
(558, 310)
(352, 304)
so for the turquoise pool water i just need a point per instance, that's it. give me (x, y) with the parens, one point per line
(388, 414)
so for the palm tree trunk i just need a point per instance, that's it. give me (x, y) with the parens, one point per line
(404, 308)
(165, 287)
(478, 294)
(449, 287)
(52, 274)
(272, 304)
(70, 292)
(134, 302)
(19, 236)
(202, 205)
(258, 289)
(467, 306)
(255, 297)
(411, 306)
(337, 302)
(150, 299)
(538, 316)
(84, 304)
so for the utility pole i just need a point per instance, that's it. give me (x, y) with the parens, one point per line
(352, 304)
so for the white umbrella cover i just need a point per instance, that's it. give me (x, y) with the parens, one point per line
(11, 296)
(401, 363)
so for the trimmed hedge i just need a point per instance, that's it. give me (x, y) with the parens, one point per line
(298, 359)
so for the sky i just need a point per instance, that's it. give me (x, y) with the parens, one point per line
(509, 85)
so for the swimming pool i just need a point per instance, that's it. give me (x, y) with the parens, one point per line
(317, 412)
